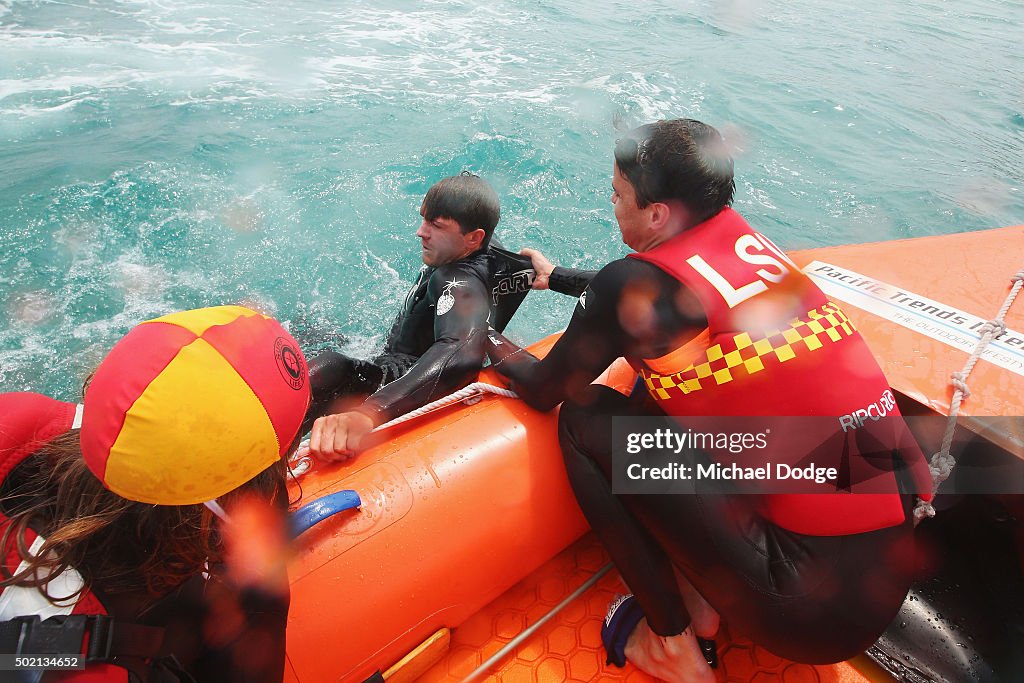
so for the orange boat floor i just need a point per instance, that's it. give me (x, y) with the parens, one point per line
(568, 647)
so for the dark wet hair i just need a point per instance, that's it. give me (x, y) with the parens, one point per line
(468, 200)
(679, 159)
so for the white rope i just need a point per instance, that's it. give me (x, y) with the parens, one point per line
(942, 463)
(472, 391)
(468, 392)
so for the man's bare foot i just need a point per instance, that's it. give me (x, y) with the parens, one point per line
(676, 659)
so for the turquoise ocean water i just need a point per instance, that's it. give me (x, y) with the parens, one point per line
(158, 155)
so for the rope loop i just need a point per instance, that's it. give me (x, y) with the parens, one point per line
(941, 467)
(959, 381)
(1019, 277)
(995, 327)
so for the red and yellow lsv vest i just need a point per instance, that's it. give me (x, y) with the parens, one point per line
(776, 346)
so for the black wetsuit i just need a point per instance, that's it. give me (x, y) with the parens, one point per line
(811, 599)
(435, 345)
(597, 335)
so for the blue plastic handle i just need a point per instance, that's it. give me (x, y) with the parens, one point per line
(320, 509)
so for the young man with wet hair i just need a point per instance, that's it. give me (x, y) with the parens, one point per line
(707, 310)
(435, 345)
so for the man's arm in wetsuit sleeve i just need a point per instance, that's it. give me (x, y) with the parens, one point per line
(569, 280)
(594, 339)
(562, 280)
(456, 354)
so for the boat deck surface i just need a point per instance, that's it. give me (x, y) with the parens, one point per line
(568, 647)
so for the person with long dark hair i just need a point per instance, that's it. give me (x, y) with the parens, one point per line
(119, 516)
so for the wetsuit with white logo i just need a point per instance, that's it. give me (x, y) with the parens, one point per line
(810, 598)
(435, 344)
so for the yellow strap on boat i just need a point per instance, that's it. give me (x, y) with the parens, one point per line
(410, 667)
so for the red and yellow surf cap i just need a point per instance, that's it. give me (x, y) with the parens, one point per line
(188, 407)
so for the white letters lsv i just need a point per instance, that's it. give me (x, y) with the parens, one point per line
(744, 244)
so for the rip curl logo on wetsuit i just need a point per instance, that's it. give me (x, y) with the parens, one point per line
(583, 299)
(289, 363)
(446, 301)
(516, 283)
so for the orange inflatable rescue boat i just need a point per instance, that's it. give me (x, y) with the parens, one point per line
(468, 533)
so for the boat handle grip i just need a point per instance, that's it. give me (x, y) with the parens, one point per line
(314, 512)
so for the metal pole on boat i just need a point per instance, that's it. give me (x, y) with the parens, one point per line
(532, 628)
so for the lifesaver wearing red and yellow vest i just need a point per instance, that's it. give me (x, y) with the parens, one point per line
(776, 346)
(29, 421)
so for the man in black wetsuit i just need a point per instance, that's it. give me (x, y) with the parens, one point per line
(436, 343)
(814, 578)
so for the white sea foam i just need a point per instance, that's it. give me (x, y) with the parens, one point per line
(142, 284)
(27, 111)
(373, 52)
(759, 195)
(29, 349)
(363, 345)
(62, 84)
(32, 307)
